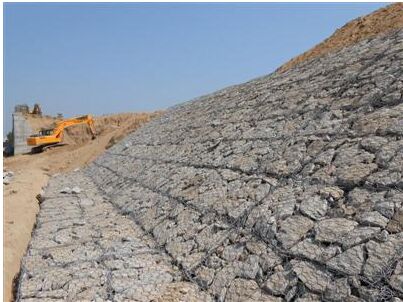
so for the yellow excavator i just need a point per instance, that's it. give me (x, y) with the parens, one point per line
(51, 137)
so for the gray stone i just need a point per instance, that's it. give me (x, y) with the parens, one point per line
(362, 197)
(247, 290)
(381, 256)
(338, 290)
(269, 260)
(222, 280)
(86, 202)
(247, 269)
(75, 190)
(383, 236)
(385, 179)
(215, 262)
(232, 252)
(284, 209)
(309, 297)
(387, 152)
(374, 143)
(65, 190)
(369, 294)
(396, 280)
(350, 176)
(205, 276)
(333, 229)
(7, 177)
(349, 262)
(373, 219)
(277, 283)
(332, 192)
(395, 225)
(325, 158)
(256, 247)
(313, 277)
(315, 207)
(387, 209)
(359, 235)
(311, 250)
(291, 293)
(293, 229)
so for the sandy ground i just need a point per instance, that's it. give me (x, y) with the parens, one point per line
(19, 208)
(31, 173)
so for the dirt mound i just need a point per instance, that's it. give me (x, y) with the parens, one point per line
(381, 21)
(79, 149)
(117, 124)
(38, 122)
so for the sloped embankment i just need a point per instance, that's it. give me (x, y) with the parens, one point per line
(382, 21)
(288, 187)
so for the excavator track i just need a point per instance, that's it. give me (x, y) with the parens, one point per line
(43, 148)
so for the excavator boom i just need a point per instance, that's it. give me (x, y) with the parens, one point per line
(55, 135)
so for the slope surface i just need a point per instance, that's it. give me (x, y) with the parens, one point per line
(285, 188)
(379, 22)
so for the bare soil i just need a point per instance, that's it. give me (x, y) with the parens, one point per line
(32, 171)
(381, 21)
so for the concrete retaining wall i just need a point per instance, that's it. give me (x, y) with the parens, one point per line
(21, 130)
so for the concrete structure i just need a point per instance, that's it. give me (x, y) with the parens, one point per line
(21, 130)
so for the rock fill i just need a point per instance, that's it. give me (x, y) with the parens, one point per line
(285, 188)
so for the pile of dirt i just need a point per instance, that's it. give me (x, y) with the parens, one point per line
(38, 122)
(381, 21)
(115, 125)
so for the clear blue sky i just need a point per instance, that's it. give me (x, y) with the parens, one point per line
(98, 58)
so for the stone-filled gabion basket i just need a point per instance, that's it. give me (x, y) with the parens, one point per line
(285, 188)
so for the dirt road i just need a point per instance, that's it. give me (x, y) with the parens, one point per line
(20, 208)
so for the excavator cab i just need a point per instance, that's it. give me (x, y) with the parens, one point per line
(46, 132)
